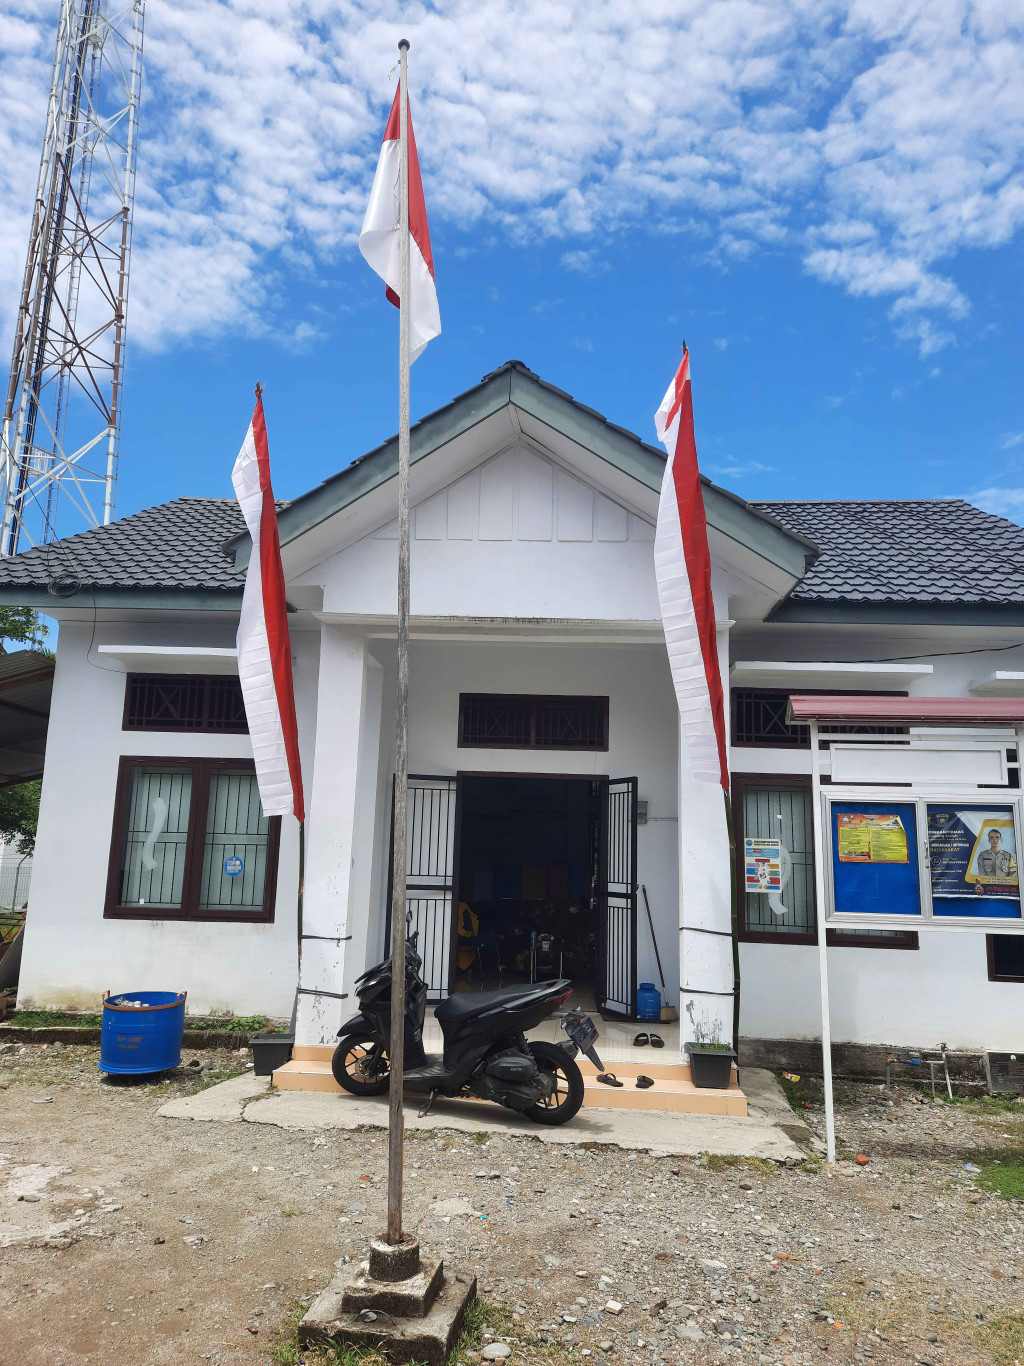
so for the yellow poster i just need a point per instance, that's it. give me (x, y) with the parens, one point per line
(865, 838)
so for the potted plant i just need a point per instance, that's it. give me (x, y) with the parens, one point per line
(710, 1059)
(271, 1049)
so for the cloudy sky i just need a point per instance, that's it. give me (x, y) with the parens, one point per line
(825, 199)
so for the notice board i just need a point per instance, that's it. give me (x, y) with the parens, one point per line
(875, 862)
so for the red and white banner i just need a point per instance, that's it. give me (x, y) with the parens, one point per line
(380, 236)
(682, 564)
(264, 646)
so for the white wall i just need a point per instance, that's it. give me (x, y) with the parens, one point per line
(71, 953)
(642, 743)
(940, 993)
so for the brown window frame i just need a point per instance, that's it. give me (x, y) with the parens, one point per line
(201, 769)
(532, 700)
(990, 954)
(741, 783)
(205, 725)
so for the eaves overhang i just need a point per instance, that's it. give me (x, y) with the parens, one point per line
(848, 613)
(156, 599)
(513, 384)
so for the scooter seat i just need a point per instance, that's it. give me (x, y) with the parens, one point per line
(464, 1004)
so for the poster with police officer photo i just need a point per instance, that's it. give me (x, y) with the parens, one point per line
(973, 852)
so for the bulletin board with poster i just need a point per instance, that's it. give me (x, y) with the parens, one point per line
(949, 859)
(875, 858)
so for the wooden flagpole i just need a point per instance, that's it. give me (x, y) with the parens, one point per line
(396, 1050)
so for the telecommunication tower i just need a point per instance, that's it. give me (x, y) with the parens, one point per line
(62, 412)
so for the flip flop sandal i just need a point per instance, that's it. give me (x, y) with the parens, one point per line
(641, 1040)
(657, 1041)
(609, 1079)
(643, 1083)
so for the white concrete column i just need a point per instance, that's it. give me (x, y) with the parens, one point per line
(705, 890)
(340, 833)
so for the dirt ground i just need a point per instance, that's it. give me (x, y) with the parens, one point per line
(141, 1240)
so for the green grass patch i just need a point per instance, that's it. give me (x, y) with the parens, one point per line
(481, 1137)
(1004, 1337)
(53, 1019)
(1005, 1177)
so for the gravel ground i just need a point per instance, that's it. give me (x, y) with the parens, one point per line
(153, 1241)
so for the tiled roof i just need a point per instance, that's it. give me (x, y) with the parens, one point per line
(913, 550)
(174, 545)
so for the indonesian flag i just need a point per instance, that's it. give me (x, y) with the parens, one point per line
(682, 564)
(379, 239)
(264, 647)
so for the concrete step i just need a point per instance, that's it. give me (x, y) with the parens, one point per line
(310, 1070)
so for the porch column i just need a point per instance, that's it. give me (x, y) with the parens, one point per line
(705, 891)
(340, 837)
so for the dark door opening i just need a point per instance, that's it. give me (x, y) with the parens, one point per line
(536, 888)
(528, 879)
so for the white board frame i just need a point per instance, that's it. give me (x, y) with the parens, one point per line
(1001, 796)
(926, 918)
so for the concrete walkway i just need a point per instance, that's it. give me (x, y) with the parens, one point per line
(768, 1130)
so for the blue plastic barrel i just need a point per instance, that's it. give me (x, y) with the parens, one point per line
(648, 1002)
(141, 1031)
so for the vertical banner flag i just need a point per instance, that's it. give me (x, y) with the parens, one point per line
(379, 238)
(264, 646)
(682, 565)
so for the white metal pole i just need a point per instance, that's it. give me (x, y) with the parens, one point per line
(396, 1050)
(819, 901)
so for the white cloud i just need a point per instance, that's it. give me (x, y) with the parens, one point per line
(735, 469)
(1007, 503)
(720, 343)
(873, 139)
(1010, 440)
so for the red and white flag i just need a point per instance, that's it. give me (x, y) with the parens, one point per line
(380, 236)
(264, 646)
(682, 565)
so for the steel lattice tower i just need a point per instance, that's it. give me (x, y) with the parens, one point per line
(62, 413)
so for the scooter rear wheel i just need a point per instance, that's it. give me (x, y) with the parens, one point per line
(360, 1066)
(567, 1096)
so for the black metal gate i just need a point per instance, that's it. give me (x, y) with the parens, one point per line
(430, 875)
(616, 976)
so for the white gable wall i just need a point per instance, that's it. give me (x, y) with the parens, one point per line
(519, 536)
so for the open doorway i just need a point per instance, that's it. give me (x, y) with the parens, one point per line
(545, 871)
(528, 882)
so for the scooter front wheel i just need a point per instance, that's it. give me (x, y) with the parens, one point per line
(567, 1093)
(361, 1066)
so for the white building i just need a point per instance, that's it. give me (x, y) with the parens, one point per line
(543, 727)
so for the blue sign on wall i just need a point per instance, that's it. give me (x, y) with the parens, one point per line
(233, 866)
(876, 881)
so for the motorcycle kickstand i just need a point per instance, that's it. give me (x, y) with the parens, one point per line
(426, 1109)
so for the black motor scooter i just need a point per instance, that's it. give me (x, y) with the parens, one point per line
(486, 1053)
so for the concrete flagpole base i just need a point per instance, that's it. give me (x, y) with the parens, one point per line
(402, 1304)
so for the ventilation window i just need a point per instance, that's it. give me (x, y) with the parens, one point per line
(759, 718)
(185, 702)
(507, 721)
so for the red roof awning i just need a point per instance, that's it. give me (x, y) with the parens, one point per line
(957, 711)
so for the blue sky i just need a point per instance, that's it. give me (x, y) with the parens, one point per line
(825, 199)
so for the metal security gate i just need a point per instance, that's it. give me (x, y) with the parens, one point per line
(430, 875)
(616, 965)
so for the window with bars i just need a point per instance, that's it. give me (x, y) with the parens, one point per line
(191, 842)
(759, 718)
(185, 702)
(513, 721)
(780, 808)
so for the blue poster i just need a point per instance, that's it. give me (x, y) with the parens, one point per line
(973, 855)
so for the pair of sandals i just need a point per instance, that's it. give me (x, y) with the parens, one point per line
(610, 1079)
(642, 1040)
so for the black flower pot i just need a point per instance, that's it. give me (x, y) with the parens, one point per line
(270, 1051)
(710, 1068)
